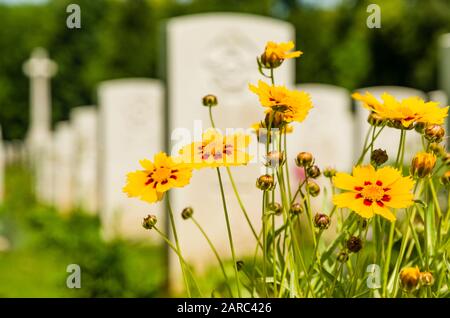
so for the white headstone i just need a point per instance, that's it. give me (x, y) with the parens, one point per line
(216, 54)
(47, 173)
(84, 123)
(440, 97)
(327, 132)
(63, 148)
(2, 167)
(131, 127)
(389, 138)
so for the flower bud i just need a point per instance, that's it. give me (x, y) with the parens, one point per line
(342, 257)
(437, 149)
(422, 164)
(265, 182)
(375, 120)
(446, 159)
(434, 133)
(187, 213)
(312, 188)
(296, 208)
(419, 127)
(396, 123)
(445, 178)
(209, 100)
(270, 61)
(321, 221)
(275, 159)
(426, 278)
(304, 159)
(378, 157)
(275, 207)
(274, 120)
(149, 222)
(313, 172)
(329, 172)
(354, 244)
(410, 278)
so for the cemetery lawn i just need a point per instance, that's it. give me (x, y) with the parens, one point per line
(42, 243)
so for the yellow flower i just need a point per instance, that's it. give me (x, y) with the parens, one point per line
(276, 53)
(216, 150)
(422, 164)
(373, 191)
(294, 105)
(407, 111)
(157, 177)
(410, 278)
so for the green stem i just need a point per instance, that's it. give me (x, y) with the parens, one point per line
(211, 245)
(244, 211)
(233, 184)
(365, 150)
(166, 239)
(175, 235)
(388, 258)
(230, 236)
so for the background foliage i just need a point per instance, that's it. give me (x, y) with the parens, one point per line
(119, 38)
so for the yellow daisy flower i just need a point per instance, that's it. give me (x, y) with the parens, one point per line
(294, 105)
(216, 150)
(281, 50)
(373, 191)
(157, 177)
(408, 111)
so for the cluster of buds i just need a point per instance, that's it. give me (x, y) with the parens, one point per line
(149, 222)
(423, 164)
(321, 221)
(412, 278)
(378, 157)
(265, 182)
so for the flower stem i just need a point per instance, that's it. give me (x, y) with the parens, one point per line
(230, 236)
(166, 239)
(214, 251)
(175, 235)
(236, 192)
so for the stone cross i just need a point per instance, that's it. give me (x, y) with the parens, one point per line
(39, 68)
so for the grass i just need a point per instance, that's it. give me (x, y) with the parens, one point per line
(43, 244)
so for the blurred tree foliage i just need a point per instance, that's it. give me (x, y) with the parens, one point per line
(120, 38)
